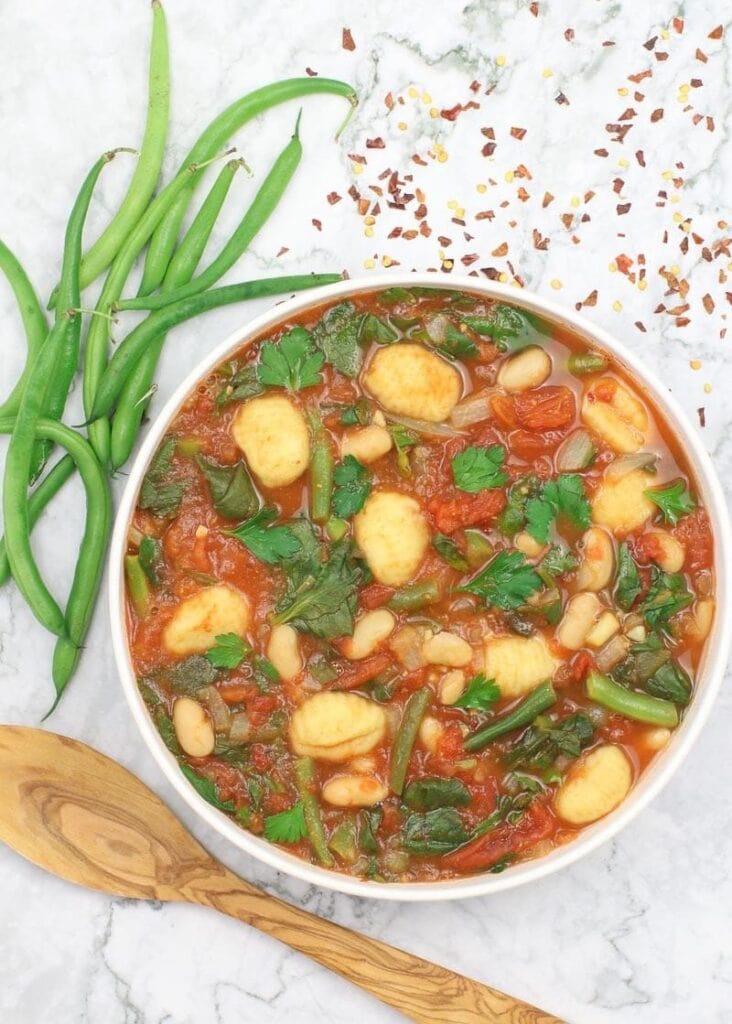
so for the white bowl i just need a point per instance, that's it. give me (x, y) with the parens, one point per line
(657, 774)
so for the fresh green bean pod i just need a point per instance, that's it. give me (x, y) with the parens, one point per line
(415, 596)
(128, 353)
(216, 135)
(414, 712)
(33, 403)
(305, 779)
(261, 208)
(536, 703)
(136, 392)
(639, 706)
(321, 471)
(49, 486)
(152, 150)
(33, 317)
(582, 363)
(137, 585)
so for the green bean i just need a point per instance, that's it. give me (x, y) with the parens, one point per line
(135, 395)
(51, 484)
(265, 201)
(142, 186)
(305, 778)
(639, 706)
(34, 322)
(582, 363)
(137, 585)
(414, 712)
(128, 353)
(538, 701)
(321, 471)
(34, 400)
(415, 596)
(213, 137)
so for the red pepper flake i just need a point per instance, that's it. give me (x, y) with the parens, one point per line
(640, 157)
(640, 326)
(444, 241)
(569, 34)
(389, 101)
(540, 242)
(548, 198)
(682, 321)
(475, 86)
(710, 124)
(523, 194)
(650, 43)
(534, 8)
(518, 133)
(317, 224)
(618, 185)
(500, 250)
(333, 198)
(357, 158)
(395, 232)
(488, 132)
(657, 114)
(717, 32)
(622, 208)
(354, 193)
(377, 143)
(418, 160)
(678, 24)
(696, 83)
(638, 78)
(424, 229)
(347, 40)
(591, 300)
(469, 258)
(453, 113)
(485, 215)
(567, 219)
(561, 99)
(421, 212)
(701, 413)
(700, 55)
(660, 56)
(708, 303)
(522, 171)
(627, 114)
(600, 152)
(283, 249)
(363, 207)
(311, 73)
(489, 149)
(608, 42)
(639, 96)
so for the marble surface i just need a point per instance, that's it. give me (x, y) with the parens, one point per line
(640, 931)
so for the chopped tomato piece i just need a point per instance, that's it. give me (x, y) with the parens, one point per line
(529, 446)
(450, 743)
(235, 692)
(374, 595)
(581, 665)
(260, 707)
(485, 851)
(504, 410)
(361, 672)
(695, 534)
(466, 509)
(546, 408)
(647, 548)
(258, 757)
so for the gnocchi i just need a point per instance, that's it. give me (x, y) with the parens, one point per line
(198, 620)
(518, 664)
(392, 533)
(336, 726)
(410, 380)
(367, 444)
(273, 435)
(618, 417)
(594, 786)
(371, 630)
(619, 503)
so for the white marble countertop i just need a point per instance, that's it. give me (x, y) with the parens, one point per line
(640, 932)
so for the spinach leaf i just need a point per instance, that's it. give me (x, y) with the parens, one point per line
(667, 595)
(231, 488)
(244, 383)
(643, 660)
(456, 345)
(435, 832)
(541, 744)
(191, 674)
(353, 484)
(324, 602)
(368, 825)
(291, 363)
(509, 328)
(513, 516)
(627, 581)
(206, 788)
(447, 548)
(671, 682)
(432, 792)
(374, 329)
(270, 544)
(337, 337)
(151, 559)
(164, 725)
(158, 494)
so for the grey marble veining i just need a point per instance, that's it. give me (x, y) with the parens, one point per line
(637, 933)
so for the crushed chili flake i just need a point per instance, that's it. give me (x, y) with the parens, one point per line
(701, 413)
(561, 99)
(534, 8)
(640, 157)
(569, 34)
(310, 73)
(717, 32)
(708, 303)
(347, 40)
(548, 198)
(377, 143)
(701, 56)
(657, 115)
(518, 133)
(333, 198)
(622, 208)
(317, 224)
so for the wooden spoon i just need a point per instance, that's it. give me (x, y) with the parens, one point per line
(82, 816)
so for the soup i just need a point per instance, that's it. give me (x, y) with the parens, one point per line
(417, 586)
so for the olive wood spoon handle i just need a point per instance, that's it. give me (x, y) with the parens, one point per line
(85, 818)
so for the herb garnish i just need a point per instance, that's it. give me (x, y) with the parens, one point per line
(321, 598)
(480, 694)
(229, 651)
(292, 363)
(627, 581)
(477, 469)
(563, 496)
(270, 544)
(667, 595)
(507, 581)
(674, 501)
(353, 485)
(287, 826)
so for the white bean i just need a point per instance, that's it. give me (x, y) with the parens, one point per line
(527, 369)
(371, 629)
(447, 649)
(354, 791)
(283, 650)
(452, 686)
(579, 617)
(193, 728)
(430, 731)
(598, 560)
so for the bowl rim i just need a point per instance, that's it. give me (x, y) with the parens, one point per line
(656, 775)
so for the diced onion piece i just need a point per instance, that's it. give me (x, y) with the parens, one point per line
(473, 409)
(614, 651)
(627, 463)
(423, 427)
(407, 645)
(576, 452)
(220, 714)
(240, 729)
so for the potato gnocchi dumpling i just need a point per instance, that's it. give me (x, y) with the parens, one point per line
(620, 504)
(391, 531)
(366, 444)
(336, 726)
(198, 620)
(595, 786)
(618, 417)
(273, 434)
(410, 380)
(518, 664)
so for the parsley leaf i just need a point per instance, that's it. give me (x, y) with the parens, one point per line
(353, 485)
(480, 695)
(674, 501)
(447, 548)
(159, 495)
(563, 496)
(270, 544)
(513, 516)
(627, 581)
(291, 363)
(287, 826)
(229, 651)
(337, 337)
(477, 469)
(322, 598)
(206, 788)
(456, 345)
(242, 384)
(507, 581)
(667, 595)
(558, 561)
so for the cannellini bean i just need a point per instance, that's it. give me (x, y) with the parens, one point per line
(615, 414)
(580, 615)
(336, 726)
(527, 369)
(447, 649)
(430, 731)
(354, 791)
(528, 546)
(371, 629)
(598, 560)
(605, 627)
(452, 686)
(668, 552)
(193, 728)
(412, 380)
(273, 434)
(655, 739)
(594, 786)
(392, 533)
(283, 650)
(518, 664)
(620, 504)
(698, 621)
(198, 620)
(366, 444)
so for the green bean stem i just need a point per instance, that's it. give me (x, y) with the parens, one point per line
(262, 206)
(34, 322)
(639, 706)
(305, 778)
(51, 484)
(143, 182)
(33, 401)
(321, 471)
(137, 391)
(415, 596)
(538, 701)
(414, 712)
(216, 135)
(128, 353)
